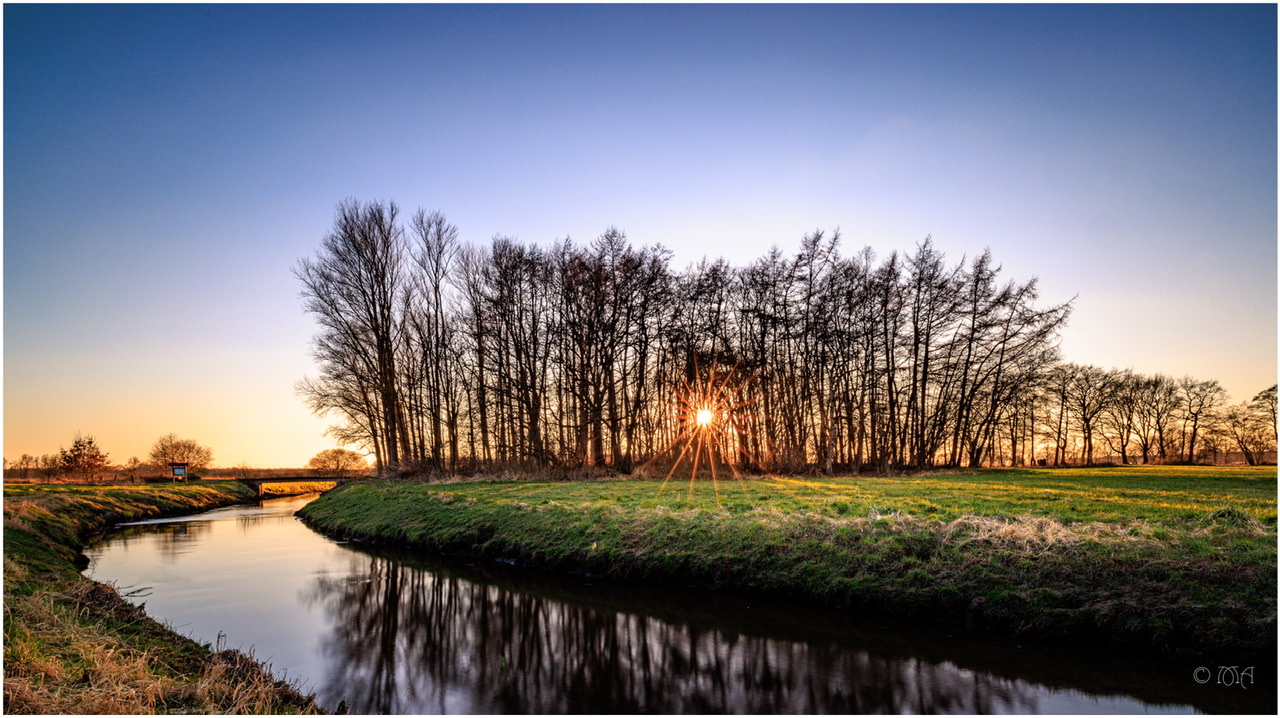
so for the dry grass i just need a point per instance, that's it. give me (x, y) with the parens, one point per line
(1023, 534)
(1034, 534)
(120, 680)
(295, 488)
(1026, 534)
(64, 653)
(235, 682)
(57, 663)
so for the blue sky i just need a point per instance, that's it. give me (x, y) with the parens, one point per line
(166, 166)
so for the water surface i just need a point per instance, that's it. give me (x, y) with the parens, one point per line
(390, 633)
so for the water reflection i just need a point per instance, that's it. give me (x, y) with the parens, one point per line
(405, 640)
(175, 536)
(171, 539)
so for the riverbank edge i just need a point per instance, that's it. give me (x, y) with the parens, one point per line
(1055, 598)
(74, 645)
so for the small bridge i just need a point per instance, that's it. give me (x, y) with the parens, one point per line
(301, 484)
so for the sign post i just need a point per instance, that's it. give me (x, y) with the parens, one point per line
(179, 471)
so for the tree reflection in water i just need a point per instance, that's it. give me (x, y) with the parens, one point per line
(175, 538)
(407, 640)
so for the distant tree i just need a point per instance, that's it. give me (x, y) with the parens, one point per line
(1264, 404)
(1251, 426)
(1120, 416)
(25, 464)
(338, 461)
(1089, 393)
(1248, 430)
(84, 456)
(1157, 399)
(1215, 438)
(132, 466)
(1200, 401)
(49, 465)
(1057, 415)
(170, 449)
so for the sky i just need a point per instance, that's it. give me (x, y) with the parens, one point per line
(166, 166)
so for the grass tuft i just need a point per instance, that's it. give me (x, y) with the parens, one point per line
(1233, 516)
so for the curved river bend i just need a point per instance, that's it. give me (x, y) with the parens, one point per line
(397, 634)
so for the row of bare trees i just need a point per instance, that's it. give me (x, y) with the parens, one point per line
(1137, 418)
(438, 355)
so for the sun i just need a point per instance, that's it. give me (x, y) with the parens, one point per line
(712, 416)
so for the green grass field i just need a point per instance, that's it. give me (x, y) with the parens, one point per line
(1181, 559)
(1153, 493)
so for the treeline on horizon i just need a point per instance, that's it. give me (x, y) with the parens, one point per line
(436, 355)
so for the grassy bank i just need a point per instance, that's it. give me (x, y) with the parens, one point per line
(1179, 559)
(72, 645)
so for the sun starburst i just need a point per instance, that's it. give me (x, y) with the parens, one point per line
(713, 425)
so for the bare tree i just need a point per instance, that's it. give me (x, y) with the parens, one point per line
(475, 347)
(1248, 430)
(431, 341)
(338, 461)
(170, 449)
(353, 287)
(1157, 406)
(518, 310)
(25, 464)
(1057, 389)
(1264, 404)
(49, 465)
(1200, 399)
(1089, 393)
(1120, 415)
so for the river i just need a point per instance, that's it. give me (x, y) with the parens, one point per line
(389, 633)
